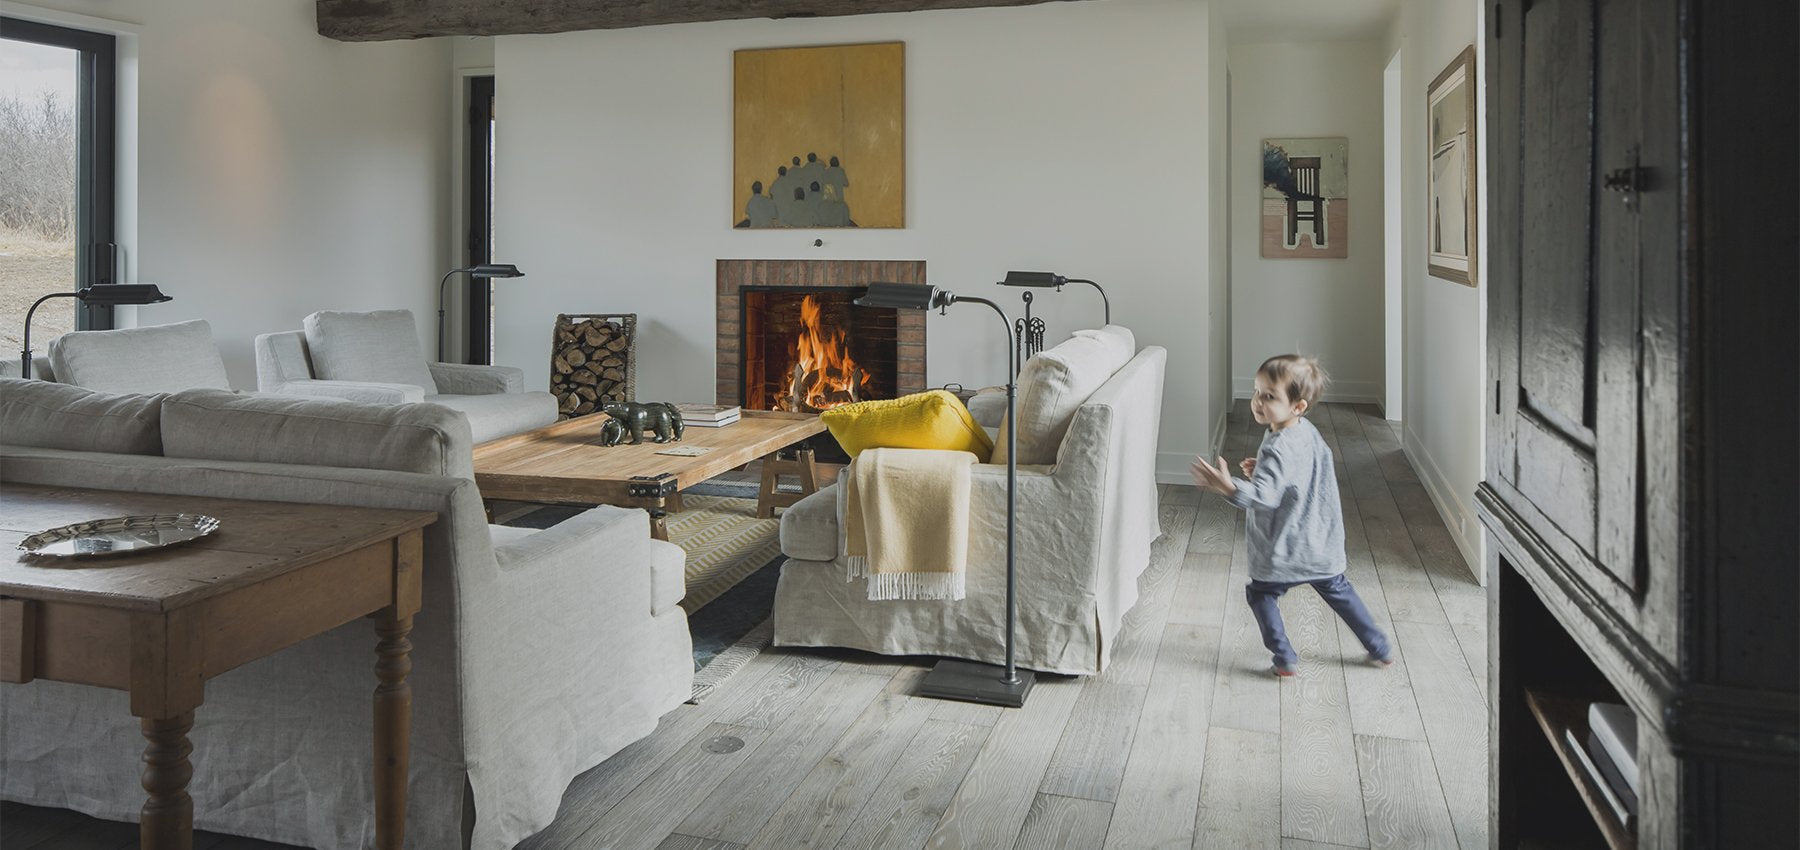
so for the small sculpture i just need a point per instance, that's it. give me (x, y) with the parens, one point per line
(659, 418)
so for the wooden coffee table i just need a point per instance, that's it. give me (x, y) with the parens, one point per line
(565, 463)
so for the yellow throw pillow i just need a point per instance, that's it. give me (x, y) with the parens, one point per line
(929, 420)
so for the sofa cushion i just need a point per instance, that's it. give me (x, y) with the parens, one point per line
(214, 425)
(809, 527)
(1055, 383)
(503, 414)
(380, 346)
(935, 419)
(154, 359)
(61, 416)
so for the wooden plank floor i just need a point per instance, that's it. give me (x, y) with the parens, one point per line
(1186, 741)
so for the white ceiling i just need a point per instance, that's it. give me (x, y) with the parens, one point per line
(1306, 20)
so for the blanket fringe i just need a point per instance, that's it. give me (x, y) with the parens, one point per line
(855, 567)
(888, 586)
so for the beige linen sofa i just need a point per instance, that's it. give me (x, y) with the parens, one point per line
(375, 358)
(1087, 516)
(536, 655)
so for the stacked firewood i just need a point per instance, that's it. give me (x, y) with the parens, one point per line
(591, 362)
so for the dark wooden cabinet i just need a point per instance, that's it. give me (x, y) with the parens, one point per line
(1642, 445)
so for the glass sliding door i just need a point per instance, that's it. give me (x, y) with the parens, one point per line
(56, 177)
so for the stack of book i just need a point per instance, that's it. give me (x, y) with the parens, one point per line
(1611, 752)
(708, 415)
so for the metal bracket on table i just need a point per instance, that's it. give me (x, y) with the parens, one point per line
(658, 486)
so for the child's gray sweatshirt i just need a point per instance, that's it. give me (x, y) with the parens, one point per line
(1295, 530)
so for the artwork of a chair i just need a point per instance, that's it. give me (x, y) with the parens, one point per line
(1306, 183)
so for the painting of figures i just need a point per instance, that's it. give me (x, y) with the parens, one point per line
(1306, 198)
(1451, 112)
(819, 137)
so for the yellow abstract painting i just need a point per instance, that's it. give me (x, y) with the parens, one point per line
(820, 137)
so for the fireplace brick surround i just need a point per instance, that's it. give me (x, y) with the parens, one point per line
(735, 275)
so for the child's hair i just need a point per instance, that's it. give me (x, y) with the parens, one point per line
(1299, 375)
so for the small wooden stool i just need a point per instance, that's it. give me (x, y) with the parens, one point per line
(768, 498)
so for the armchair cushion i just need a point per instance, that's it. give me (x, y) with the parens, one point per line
(357, 391)
(1054, 384)
(464, 379)
(809, 528)
(934, 419)
(494, 416)
(381, 346)
(154, 359)
(214, 425)
(60, 416)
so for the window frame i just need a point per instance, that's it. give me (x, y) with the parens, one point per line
(96, 128)
(479, 325)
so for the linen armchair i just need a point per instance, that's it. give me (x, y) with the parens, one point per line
(375, 358)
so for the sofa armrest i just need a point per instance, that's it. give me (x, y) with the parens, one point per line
(358, 391)
(605, 549)
(466, 379)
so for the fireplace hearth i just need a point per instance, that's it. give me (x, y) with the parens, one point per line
(808, 349)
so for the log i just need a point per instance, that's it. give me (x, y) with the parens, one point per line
(584, 408)
(583, 376)
(387, 20)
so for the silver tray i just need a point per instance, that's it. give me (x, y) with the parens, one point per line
(118, 535)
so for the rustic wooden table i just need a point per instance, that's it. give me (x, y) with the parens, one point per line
(565, 463)
(273, 575)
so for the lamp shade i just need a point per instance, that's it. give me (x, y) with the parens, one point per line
(492, 270)
(114, 294)
(1033, 279)
(900, 296)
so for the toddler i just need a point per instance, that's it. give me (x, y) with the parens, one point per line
(1295, 533)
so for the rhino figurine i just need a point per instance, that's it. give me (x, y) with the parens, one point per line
(659, 418)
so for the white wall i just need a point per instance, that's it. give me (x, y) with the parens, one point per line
(1221, 199)
(276, 172)
(1068, 137)
(1445, 322)
(1327, 308)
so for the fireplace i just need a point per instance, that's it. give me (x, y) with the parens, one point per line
(809, 348)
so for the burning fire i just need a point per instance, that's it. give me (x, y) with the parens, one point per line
(824, 375)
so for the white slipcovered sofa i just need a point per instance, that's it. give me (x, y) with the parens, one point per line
(536, 655)
(1087, 515)
(375, 358)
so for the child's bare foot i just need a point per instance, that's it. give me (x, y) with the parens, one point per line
(1282, 671)
(1387, 661)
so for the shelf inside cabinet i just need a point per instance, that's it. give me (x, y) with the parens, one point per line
(1560, 717)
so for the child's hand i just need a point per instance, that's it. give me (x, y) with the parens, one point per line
(1248, 465)
(1214, 478)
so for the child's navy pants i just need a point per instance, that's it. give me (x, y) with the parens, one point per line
(1336, 591)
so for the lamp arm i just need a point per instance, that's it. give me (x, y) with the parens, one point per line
(1011, 676)
(1104, 303)
(25, 342)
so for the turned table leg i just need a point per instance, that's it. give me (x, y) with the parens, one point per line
(168, 815)
(393, 728)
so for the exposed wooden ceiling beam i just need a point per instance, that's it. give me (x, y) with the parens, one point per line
(384, 20)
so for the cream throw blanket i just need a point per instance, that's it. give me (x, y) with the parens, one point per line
(906, 522)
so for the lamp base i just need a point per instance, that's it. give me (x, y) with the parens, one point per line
(969, 681)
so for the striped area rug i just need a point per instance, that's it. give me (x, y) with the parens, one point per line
(724, 541)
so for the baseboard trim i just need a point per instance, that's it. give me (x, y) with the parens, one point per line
(1342, 392)
(1458, 518)
(1172, 468)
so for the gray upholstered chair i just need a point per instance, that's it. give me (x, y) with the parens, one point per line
(151, 359)
(376, 358)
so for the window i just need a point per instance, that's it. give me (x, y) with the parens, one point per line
(56, 176)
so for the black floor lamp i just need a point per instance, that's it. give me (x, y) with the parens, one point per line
(485, 272)
(106, 295)
(970, 681)
(1051, 279)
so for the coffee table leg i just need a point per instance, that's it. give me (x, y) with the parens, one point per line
(393, 727)
(659, 524)
(168, 814)
(809, 471)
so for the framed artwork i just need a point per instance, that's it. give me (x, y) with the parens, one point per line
(1306, 198)
(819, 137)
(1450, 114)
